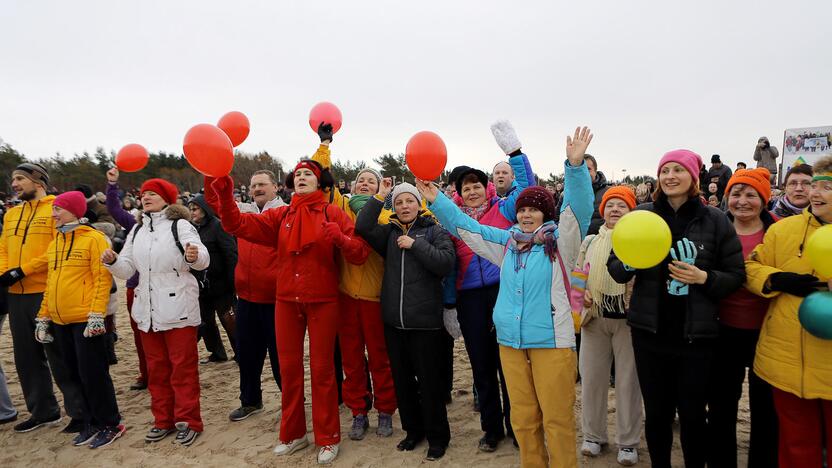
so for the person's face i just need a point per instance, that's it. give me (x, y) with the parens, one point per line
(614, 210)
(25, 188)
(197, 215)
(716, 164)
(366, 184)
(713, 201)
(674, 180)
(449, 191)
(128, 205)
(152, 202)
(740, 166)
(305, 181)
(473, 194)
(341, 184)
(529, 219)
(559, 187)
(712, 188)
(744, 203)
(821, 199)
(593, 171)
(407, 207)
(503, 176)
(62, 216)
(550, 188)
(650, 187)
(798, 188)
(262, 189)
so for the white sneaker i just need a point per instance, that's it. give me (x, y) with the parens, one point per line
(327, 454)
(291, 447)
(627, 456)
(591, 449)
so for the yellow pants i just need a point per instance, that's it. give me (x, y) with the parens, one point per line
(541, 387)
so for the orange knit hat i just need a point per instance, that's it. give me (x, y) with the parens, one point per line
(758, 179)
(619, 191)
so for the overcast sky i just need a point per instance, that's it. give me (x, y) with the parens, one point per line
(647, 77)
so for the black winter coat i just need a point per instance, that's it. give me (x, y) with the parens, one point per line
(599, 188)
(719, 254)
(411, 289)
(222, 248)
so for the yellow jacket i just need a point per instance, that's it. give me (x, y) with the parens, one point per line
(27, 231)
(788, 357)
(78, 283)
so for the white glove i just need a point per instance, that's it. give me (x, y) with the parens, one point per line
(42, 334)
(506, 136)
(95, 325)
(451, 323)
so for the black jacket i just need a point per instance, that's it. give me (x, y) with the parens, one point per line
(411, 290)
(223, 251)
(652, 308)
(599, 187)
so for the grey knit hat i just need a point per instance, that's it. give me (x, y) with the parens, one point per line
(405, 187)
(372, 171)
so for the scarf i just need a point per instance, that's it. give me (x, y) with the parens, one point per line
(304, 226)
(357, 202)
(607, 295)
(784, 208)
(544, 235)
(477, 212)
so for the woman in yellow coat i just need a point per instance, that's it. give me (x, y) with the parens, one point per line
(72, 315)
(797, 364)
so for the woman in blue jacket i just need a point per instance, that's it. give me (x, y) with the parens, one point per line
(532, 315)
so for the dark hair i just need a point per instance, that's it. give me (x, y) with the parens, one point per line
(268, 173)
(589, 157)
(804, 169)
(470, 178)
(744, 165)
(325, 180)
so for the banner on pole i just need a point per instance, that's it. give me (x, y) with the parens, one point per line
(805, 146)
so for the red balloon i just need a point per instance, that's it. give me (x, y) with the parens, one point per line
(325, 112)
(208, 150)
(132, 158)
(426, 155)
(236, 126)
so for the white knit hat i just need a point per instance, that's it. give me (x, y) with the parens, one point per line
(404, 187)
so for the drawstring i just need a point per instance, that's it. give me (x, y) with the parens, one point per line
(22, 210)
(56, 252)
(71, 243)
(803, 242)
(29, 223)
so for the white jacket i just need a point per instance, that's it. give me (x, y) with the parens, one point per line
(167, 295)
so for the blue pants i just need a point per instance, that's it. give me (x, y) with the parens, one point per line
(6, 407)
(255, 336)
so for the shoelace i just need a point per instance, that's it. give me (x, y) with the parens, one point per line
(328, 448)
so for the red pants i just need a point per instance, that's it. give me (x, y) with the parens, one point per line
(802, 430)
(291, 321)
(173, 365)
(136, 338)
(360, 327)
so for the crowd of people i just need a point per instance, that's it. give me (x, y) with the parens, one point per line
(383, 277)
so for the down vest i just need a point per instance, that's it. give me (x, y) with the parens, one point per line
(719, 254)
(411, 291)
(167, 295)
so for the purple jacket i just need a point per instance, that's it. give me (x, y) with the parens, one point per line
(122, 217)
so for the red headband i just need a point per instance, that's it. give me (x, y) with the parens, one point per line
(307, 164)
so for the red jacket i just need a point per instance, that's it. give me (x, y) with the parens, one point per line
(255, 276)
(307, 276)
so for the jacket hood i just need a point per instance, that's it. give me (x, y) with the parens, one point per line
(600, 182)
(172, 212)
(199, 200)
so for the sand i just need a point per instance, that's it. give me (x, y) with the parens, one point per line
(250, 442)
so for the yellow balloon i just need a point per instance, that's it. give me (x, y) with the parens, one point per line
(819, 250)
(641, 239)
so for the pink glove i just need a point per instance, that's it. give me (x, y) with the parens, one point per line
(332, 233)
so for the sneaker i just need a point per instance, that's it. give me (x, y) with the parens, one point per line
(591, 449)
(139, 385)
(627, 456)
(31, 424)
(385, 425)
(359, 427)
(185, 436)
(107, 436)
(74, 427)
(85, 436)
(435, 452)
(245, 411)
(489, 443)
(155, 434)
(327, 454)
(288, 448)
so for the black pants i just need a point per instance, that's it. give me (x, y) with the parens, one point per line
(674, 377)
(420, 382)
(209, 309)
(449, 364)
(734, 353)
(255, 338)
(86, 362)
(474, 311)
(34, 361)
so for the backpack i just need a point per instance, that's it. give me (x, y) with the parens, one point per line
(200, 275)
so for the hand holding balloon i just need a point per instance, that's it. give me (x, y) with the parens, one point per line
(325, 133)
(112, 175)
(428, 190)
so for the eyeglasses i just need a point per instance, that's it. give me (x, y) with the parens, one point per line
(804, 184)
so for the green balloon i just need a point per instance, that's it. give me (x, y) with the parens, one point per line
(815, 314)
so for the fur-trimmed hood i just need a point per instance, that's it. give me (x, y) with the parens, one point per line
(172, 212)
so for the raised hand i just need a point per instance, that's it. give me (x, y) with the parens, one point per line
(191, 252)
(506, 137)
(112, 175)
(224, 186)
(427, 189)
(577, 144)
(386, 187)
(325, 133)
(109, 256)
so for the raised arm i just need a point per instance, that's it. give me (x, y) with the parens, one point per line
(577, 205)
(260, 228)
(323, 156)
(508, 141)
(122, 216)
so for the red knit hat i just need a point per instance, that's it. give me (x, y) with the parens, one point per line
(758, 179)
(621, 192)
(540, 198)
(161, 187)
(73, 201)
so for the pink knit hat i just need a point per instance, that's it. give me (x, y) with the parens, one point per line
(688, 159)
(73, 201)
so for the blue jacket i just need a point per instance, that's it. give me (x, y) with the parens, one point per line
(532, 309)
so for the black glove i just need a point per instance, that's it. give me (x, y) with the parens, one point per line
(325, 132)
(796, 284)
(11, 277)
